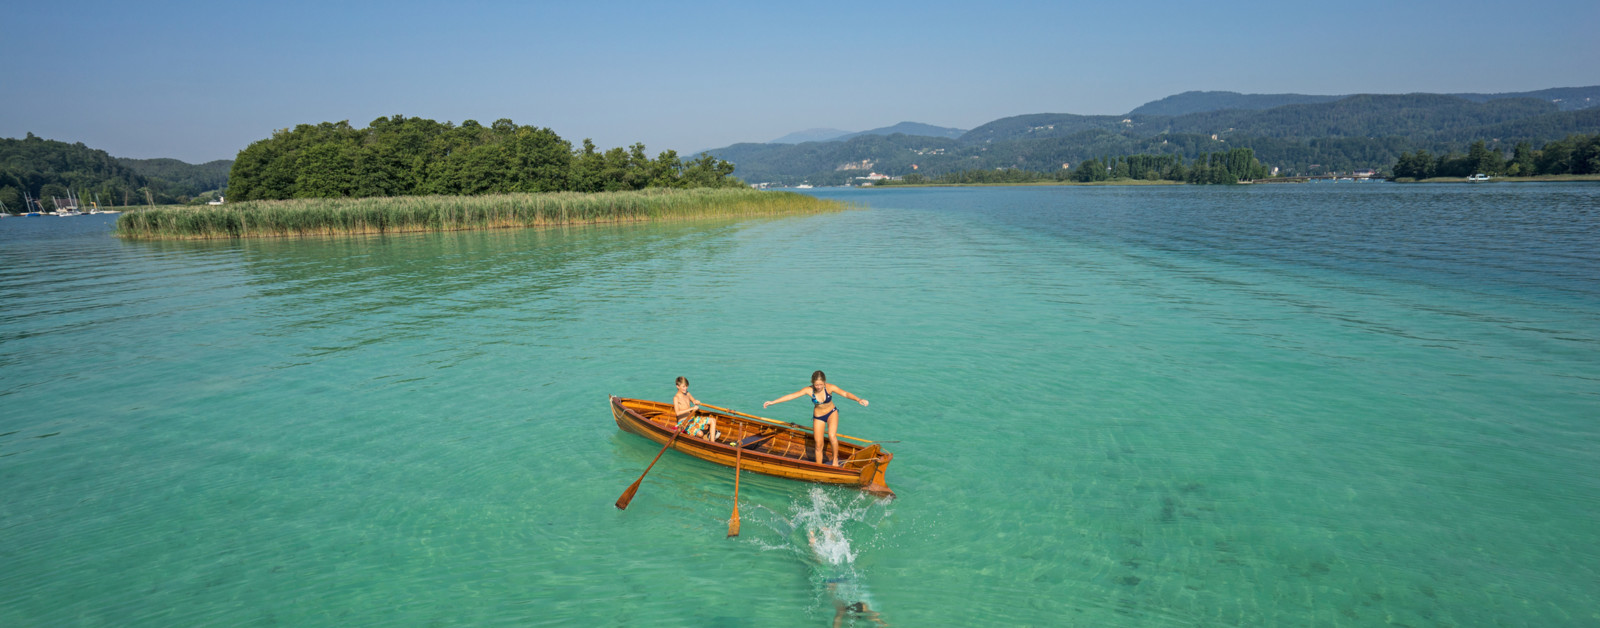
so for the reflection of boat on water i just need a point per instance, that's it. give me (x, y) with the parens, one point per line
(770, 447)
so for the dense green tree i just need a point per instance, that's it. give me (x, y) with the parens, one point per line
(1091, 170)
(326, 170)
(1481, 160)
(49, 192)
(397, 156)
(1576, 154)
(1522, 163)
(707, 171)
(588, 169)
(1555, 158)
(540, 160)
(1586, 155)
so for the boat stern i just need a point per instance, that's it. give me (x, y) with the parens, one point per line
(872, 476)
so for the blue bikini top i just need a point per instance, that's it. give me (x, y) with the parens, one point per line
(827, 399)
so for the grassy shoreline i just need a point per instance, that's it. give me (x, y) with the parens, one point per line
(1545, 178)
(354, 216)
(1027, 183)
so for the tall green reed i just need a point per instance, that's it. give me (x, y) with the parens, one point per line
(349, 216)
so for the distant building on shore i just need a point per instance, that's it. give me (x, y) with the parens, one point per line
(872, 177)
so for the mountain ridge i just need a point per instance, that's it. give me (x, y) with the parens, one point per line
(1565, 98)
(810, 135)
(836, 135)
(1346, 132)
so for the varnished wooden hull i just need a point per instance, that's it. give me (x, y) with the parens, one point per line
(783, 455)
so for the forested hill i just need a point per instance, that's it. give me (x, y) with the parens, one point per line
(1565, 98)
(1352, 132)
(1196, 102)
(179, 179)
(1415, 116)
(45, 168)
(909, 128)
(1041, 125)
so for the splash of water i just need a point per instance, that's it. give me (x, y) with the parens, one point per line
(829, 529)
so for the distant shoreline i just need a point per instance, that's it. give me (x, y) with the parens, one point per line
(1027, 183)
(1543, 178)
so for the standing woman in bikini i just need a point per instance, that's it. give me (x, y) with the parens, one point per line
(824, 415)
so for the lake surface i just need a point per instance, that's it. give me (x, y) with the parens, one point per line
(1322, 404)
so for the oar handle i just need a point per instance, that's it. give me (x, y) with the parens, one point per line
(777, 422)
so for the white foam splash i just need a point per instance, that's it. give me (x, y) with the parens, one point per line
(827, 529)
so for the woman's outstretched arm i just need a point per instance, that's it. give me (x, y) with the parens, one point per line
(789, 397)
(843, 393)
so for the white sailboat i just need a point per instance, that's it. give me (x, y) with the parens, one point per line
(67, 208)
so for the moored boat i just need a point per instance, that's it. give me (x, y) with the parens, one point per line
(770, 447)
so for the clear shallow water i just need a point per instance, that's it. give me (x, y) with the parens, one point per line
(1296, 405)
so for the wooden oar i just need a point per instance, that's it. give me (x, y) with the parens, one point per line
(798, 427)
(758, 418)
(738, 460)
(627, 496)
(738, 463)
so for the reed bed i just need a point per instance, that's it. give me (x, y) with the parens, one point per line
(352, 216)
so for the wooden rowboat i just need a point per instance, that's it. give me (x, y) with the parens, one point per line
(770, 446)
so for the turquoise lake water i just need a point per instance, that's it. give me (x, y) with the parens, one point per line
(1300, 405)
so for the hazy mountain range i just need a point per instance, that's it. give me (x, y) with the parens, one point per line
(1296, 132)
(1565, 99)
(834, 135)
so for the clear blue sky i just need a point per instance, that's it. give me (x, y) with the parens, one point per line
(201, 80)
